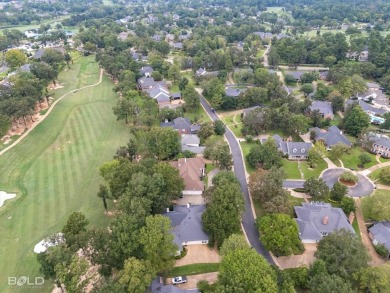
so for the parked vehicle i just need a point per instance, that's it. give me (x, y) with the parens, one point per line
(179, 280)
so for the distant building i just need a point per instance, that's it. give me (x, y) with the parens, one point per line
(294, 150)
(182, 125)
(331, 137)
(146, 71)
(233, 92)
(192, 170)
(191, 142)
(247, 111)
(380, 234)
(324, 107)
(369, 109)
(317, 220)
(381, 146)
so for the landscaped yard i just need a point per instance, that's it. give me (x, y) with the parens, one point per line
(198, 116)
(308, 172)
(194, 269)
(55, 169)
(291, 168)
(336, 120)
(352, 161)
(374, 176)
(246, 147)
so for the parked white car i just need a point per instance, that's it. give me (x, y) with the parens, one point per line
(179, 280)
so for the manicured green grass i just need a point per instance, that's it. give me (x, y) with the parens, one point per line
(336, 120)
(295, 201)
(174, 88)
(55, 170)
(374, 176)
(383, 160)
(246, 147)
(291, 168)
(355, 226)
(308, 172)
(352, 161)
(198, 116)
(194, 269)
(228, 119)
(236, 129)
(258, 208)
(190, 76)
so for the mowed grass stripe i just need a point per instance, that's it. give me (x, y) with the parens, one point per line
(54, 183)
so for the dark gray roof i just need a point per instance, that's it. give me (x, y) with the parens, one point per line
(331, 137)
(178, 45)
(200, 71)
(146, 82)
(186, 223)
(181, 123)
(382, 141)
(325, 108)
(156, 38)
(25, 67)
(381, 233)
(233, 92)
(263, 35)
(292, 148)
(176, 95)
(296, 74)
(190, 142)
(367, 107)
(311, 218)
(146, 70)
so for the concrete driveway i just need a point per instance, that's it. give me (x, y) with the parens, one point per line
(199, 253)
(295, 261)
(193, 280)
(364, 187)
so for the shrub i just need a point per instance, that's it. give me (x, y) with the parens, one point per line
(249, 138)
(381, 250)
(349, 177)
(385, 175)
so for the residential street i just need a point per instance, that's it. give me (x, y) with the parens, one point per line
(248, 220)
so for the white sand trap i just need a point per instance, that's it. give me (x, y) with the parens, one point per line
(50, 241)
(4, 196)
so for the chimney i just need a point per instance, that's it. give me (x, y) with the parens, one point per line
(325, 220)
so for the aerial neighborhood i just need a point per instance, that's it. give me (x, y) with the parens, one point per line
(194, 146)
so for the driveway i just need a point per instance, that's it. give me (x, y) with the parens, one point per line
(248, 219)
(293, 183)
(295, 261)
(193, 280)
(364, 187)
(199, 254)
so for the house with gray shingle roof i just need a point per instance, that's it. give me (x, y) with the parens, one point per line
(233, 92)
(331, 137)
(247, 111)
(186, 223)
(324, 107)
(146, 71)
(296, 74)
(380, 234)
(369, 109)
(317, 220)
(381, 146)
(191, 142)
(294, 150)
(182, 125)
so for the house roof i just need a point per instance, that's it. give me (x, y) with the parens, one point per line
(247, 111)
(190, 142)
(381, 233)
(186, 223)
(316, 218)
(325, 108)
(233, 92)
(191, 170)
(331, 137)
(200, 71)
(367, 107)
(382, 141)
(292, 148)
(178, 45)
(176, 95)
(190, 139)
(296, 74)
(146, 69)
(145, 82)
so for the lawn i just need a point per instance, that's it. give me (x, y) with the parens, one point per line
(54, 170)
(234, 123)
(336, 120)
(198, 116)
(190, 76)
(352, 161)
(194, 269)
(355, 226)
(374, 176)
(291, 168)
(308, 172)
(246, 147)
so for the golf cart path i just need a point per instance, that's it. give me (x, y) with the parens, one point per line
(48, 112)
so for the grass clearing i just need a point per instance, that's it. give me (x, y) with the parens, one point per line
(291, 168)
(194, 269)
(55, 169)
(351, 160)
(246, 147)
(355, 226)
(198, 116)
(308, 172)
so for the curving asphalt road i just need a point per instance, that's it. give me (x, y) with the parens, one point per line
(248, 220)
(364, 187)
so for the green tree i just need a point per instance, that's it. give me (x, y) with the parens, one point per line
(307, 88)
(257, 121)
(15, 58)
(136, 275)
(338, 151)
(386, 124)
(348, 205)
(74, 276)
(316, 188)
(338, 191)
(244, 270)
(224, 158)
(174, 72)
(314, 157)
(384, 175)
(374, 279)
(377, 206)
(338, 103)
(348, 176)
(157, 241)
(365, 158)
(324, 283)
(164, 143)
(233, 243)
(343, 253)
(266, 154)
(222, 217)
(183, 83)
(191, 98)
(355, 120)
(279, 234)
(75, 225)
(265, 185)
(103, 194)
(5, 124)
(206, 130)
(219, 127)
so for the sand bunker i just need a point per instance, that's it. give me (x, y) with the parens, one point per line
(50, 241)
(4, 196)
